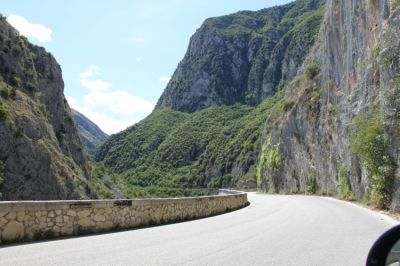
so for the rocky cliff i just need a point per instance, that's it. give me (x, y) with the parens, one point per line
(207, 127)
(41, 156)
(90, 134)
(244, 57)
(341, 133)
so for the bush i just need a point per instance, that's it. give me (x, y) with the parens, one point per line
(395, 5)
(312, 71)
(3, 111)
(43, 110)
(6, 92)
(370, 143)
(273, 158)
(345, 191)
(311, 185)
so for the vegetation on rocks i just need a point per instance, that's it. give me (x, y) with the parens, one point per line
(371, 143)
(243, 57)
(44, 155)
(3, 111)
(214, 147)
(312, 70)
(311, 185)
(345, 191)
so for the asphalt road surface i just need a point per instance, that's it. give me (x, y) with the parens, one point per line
(273, 230)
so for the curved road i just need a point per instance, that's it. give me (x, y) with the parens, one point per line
(273, 230)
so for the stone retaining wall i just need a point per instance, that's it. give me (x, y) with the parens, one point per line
(26, 220)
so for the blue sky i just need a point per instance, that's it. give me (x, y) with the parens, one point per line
(117, 56)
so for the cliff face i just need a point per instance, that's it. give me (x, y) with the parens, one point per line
(90, 134)
(231, 60)
(41, 156)
(341, 133)
(243, 57)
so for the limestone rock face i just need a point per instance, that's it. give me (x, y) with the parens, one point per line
(41, 156)
(358, 74)
(242, 58)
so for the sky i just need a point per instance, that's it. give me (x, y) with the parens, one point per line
(117, 56)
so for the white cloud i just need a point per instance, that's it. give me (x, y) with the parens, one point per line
(30, 30)
(165, 79)
(118, 102)
(111, 110)
(94, 85)
(71, 100)
(138, 59)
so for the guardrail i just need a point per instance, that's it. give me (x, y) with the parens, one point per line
(34, 220)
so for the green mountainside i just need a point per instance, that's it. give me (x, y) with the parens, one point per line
(214, 147)
(206, 129)
(299, 98)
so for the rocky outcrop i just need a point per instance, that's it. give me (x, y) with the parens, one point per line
(341, 132)
(90, 134)
(243, 57)
(41, 156)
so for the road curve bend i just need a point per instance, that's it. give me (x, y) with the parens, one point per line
(273, 230)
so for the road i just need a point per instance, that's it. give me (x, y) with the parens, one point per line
(273, 230)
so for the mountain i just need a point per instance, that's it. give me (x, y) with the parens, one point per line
(342, 133)
(41, 156)
(301, 98)
(244, 57)
(90, 134)
(207, 127)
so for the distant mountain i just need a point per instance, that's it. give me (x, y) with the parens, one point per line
(90, 134)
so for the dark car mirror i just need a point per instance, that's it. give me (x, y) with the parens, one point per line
(386, 249)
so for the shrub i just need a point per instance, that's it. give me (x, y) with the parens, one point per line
(4, 92)
(273, 158)
(395, 5)
(7, 92)
(312, 71)
(370, 143)
(344, 183)
(43, 110)
(311, 185)
(270, 160)
(3, 111)
(15, 82)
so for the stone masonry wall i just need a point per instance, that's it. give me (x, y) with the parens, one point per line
(27, 220)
